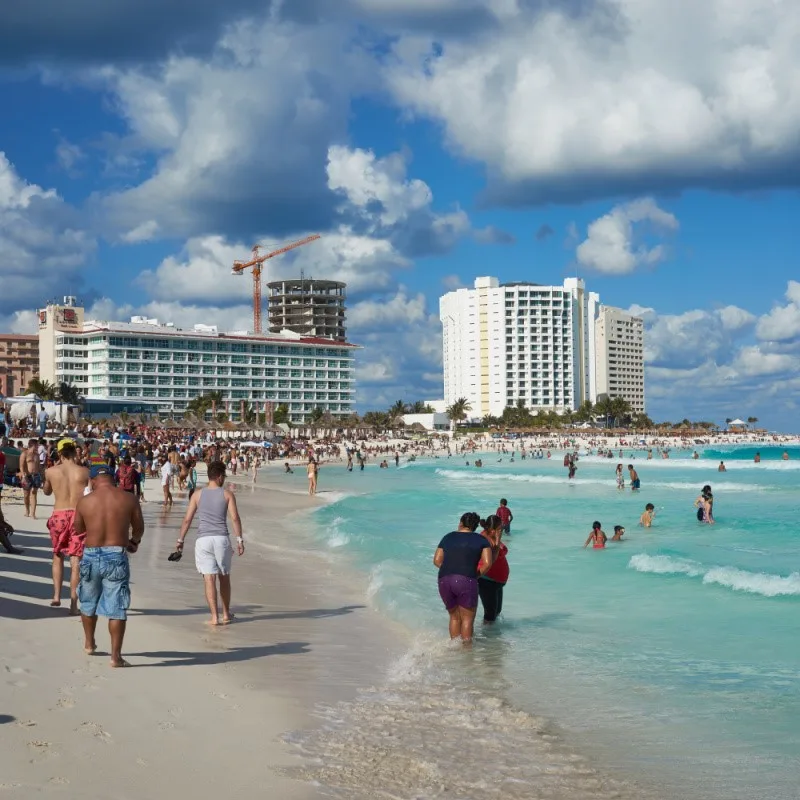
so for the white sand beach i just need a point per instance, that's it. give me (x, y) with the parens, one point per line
(202, 710)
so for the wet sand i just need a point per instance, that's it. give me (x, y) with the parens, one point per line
(202, 710)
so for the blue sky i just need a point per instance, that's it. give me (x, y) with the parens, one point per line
(650, 149)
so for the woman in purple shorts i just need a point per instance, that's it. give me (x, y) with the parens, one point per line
(462, 556)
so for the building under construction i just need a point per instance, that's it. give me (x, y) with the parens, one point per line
(308, 307)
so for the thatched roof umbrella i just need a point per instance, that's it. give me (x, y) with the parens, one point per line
(417, 427)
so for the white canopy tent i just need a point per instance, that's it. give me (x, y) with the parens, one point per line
(737, 423)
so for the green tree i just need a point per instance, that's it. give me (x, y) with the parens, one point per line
(376, 419)
(752, 421)
(199, 406)
(43, 389)
(315, 416)
(67, 393)
(398, 409)
(281, 414)
(620, 411)
(419, 407)
(249, 415)
(604, 408)
(458, 411)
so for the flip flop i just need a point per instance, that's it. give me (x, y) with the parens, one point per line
(176, 556)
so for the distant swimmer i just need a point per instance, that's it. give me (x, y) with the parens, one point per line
(785, 455)
(619, 532)
(722, 467)
(620, 478)
(572, 469)
(287, 469)
(695, 455)
(505, 515)
(646, 520)
(634, 476)
(597, 538)
(757, 459)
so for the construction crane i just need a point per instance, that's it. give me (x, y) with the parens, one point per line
(255, 262)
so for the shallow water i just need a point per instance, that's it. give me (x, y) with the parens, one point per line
(671, 658)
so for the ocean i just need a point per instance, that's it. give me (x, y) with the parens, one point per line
(666, 665)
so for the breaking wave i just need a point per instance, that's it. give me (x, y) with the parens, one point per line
(739, 580)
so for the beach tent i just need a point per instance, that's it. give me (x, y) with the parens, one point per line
(735, 423)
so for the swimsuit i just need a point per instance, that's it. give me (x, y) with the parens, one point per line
(62, 533)
(599, 542)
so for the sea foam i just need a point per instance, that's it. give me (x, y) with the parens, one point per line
(739, 580)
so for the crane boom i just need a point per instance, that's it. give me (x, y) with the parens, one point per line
(256, 263)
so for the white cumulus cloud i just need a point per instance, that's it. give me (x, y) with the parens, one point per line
(611, 245)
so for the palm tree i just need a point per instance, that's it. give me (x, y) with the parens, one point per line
(43, 389)
(458, 411)
(419, 407)
(620, 410)
(752, 421)
(281, 414)
(205, 402)
(604, 408)
(398, 409)
(249, 414)
(67, 393)
(315, 416)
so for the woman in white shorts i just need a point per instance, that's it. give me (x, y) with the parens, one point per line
(213, 551)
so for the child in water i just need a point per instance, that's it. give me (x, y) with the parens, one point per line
(646, 520)
(596, 537)
(619, 532)
(620, 478)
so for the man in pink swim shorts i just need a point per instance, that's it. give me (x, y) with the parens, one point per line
(67, 482)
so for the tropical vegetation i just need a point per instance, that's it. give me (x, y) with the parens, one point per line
(62, 392)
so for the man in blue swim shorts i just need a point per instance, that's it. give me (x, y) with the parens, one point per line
(112, 521)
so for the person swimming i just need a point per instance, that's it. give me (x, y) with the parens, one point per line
(705, 506)
(619, 532)
(596, 537)
(646, 520)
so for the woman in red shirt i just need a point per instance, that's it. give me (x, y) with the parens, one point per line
(490, 585)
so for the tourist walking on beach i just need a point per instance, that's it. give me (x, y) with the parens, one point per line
(31, 468)
(213, 552)
(67, 482)
(166, 477)
(462, 556)
(312, 470)
(490, 585)
(111, 520)
(634, 476)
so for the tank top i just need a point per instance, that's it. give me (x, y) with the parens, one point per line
(212, 511)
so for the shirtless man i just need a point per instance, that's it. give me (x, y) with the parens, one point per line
(112, 523)
(31, 469)
(634, 476)
(67, 481)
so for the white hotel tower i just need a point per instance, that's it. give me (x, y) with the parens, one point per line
(530, 345)
(165, 367)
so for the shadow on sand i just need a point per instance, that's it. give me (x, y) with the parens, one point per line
(177, 658)
(246, 613)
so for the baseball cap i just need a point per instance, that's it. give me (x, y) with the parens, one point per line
(99, 469)
(62, 443)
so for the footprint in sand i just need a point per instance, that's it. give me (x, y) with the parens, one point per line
(141, 762)
(39, 744)
(175, 712)
(95, 730)
(220, 695)
(59, 781)
(10, 785)
(25, 723)
(166, 726)
(65, 701)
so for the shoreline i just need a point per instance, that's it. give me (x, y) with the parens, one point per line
(75, 727)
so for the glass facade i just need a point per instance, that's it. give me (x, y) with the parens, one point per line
(175, 369)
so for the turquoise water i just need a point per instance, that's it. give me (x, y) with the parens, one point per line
(672, 657)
